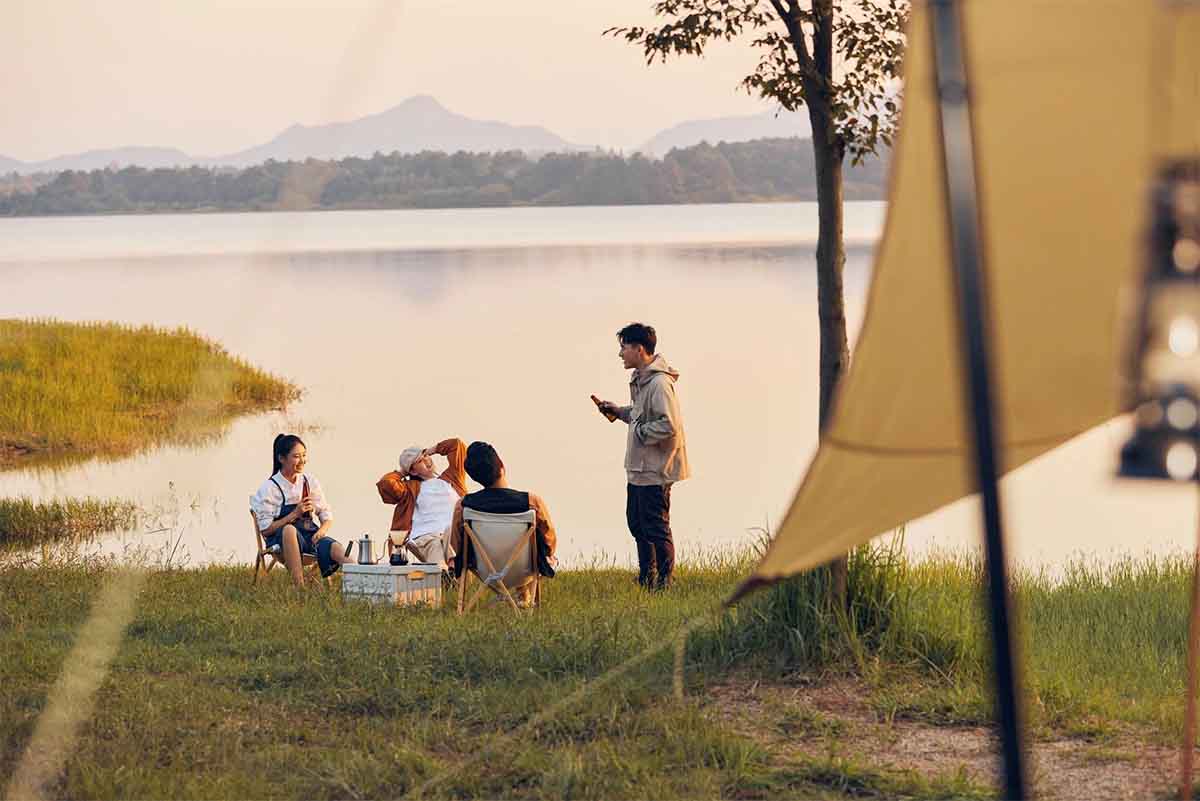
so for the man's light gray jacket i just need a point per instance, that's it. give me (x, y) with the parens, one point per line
(656, 448)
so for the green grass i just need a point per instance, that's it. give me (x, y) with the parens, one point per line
(840, 777)
(24, 523)
(1100, 644)
(221, 689)
(103, 389)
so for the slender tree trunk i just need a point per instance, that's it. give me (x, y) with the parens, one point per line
(829, 151)
(831, 258)
(828, 155)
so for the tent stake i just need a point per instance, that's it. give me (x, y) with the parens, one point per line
(1193, 656)
(962, 210)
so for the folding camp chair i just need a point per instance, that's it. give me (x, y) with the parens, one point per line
(269, 557)
(505, 551)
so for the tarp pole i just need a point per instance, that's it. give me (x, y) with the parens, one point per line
(1193, 657)
(962, 210)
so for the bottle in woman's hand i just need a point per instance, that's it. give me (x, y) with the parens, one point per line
(307, 506)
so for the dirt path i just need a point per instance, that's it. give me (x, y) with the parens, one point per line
(833, 718)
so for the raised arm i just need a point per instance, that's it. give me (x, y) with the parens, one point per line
(455, 450)
(393, 489)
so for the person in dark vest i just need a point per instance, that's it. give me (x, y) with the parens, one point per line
(484, 467)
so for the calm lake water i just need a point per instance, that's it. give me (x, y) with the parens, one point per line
(406, 327)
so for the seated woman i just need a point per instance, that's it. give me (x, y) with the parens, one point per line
(293, 514)
(424, 501)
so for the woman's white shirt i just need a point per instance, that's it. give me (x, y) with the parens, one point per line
(435, 508)
(267, 502)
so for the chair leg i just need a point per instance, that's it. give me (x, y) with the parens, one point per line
(463, 583)
(508, 597)
(258, 562)
(483, 587)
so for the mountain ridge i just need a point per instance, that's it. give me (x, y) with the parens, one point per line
(416, 124)
(413, 125)
(743, 128)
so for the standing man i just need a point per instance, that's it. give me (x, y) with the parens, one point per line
(655, 452)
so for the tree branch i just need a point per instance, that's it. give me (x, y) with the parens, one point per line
(793, 18)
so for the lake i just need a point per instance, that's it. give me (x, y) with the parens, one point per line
(407, 327)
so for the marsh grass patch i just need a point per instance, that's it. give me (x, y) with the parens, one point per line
(78, 390)
(25, 523)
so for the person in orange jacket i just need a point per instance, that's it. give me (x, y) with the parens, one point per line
(424, 500)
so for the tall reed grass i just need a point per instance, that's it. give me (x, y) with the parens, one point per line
(1098, 641)
(24, 523)
(82, 389)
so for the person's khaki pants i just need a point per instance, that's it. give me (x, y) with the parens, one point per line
(432, 549)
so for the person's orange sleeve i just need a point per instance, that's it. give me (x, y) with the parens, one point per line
(544, 528)
(455, 451)
(457, 536)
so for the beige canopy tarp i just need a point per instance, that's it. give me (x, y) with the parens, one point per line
(1073, 102)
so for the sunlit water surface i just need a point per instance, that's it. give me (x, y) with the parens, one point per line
(406, 327)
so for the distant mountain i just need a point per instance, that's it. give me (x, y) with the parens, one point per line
(768, 125)
(122, 156)
(419, 123)
(99, 159)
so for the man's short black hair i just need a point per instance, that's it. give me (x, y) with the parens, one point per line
(483, 464)
(639, 334)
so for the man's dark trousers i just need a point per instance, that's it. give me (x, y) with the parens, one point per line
(648, 513)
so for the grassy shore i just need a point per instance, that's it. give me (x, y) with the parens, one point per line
(24, 523)
(222, 689)
(103, 389)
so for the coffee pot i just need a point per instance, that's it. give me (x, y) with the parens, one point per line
(396, 555)
(365, 555)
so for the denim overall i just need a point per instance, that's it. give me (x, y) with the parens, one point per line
(306, 528)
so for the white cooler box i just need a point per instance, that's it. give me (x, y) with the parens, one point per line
(414, 583)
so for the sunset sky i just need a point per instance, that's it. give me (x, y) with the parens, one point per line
(215, 76)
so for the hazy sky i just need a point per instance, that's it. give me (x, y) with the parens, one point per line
(214, 76)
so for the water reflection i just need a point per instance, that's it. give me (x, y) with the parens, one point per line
(503, 344)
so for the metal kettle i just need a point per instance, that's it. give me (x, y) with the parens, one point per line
(365, 555)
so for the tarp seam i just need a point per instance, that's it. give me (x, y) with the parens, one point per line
(948, 451)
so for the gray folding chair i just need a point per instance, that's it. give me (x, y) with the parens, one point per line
(505, 551)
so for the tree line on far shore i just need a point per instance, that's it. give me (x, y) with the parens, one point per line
(761, 170)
